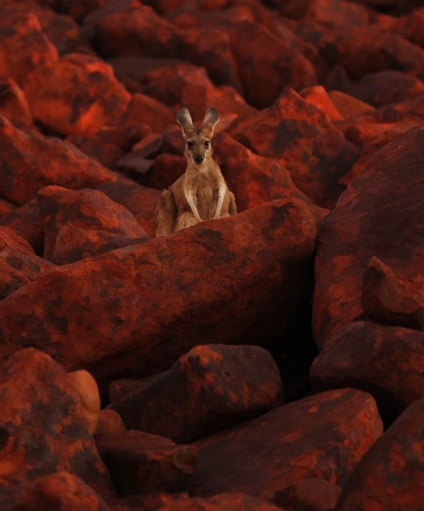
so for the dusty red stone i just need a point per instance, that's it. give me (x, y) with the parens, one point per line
(13, 104)
(146, 305)
(322, 436)
(314, 152)
(26, 222)
(60, 490)
(318, 97)
(386, 195)
(83, 223)
(143, 463)
(43, 428)
(348, 105)
(18, 263)
(140, 200)
(253, 179)
(390, 475)
(206, 390)
(312, 494)
(166, 169)
(337, 13)
(389, 298)
(138, 31)
(78, 94)
(387, 362)
(145, 110)
(30, 161)
(76, 8)
(411, 26)
(21, 30)
(6, 207)
(109, 422)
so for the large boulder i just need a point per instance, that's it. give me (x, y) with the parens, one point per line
(43, 427)
(139, 308)
(322, 436)
(385, 198)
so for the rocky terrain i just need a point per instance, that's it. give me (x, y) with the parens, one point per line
(272, 360)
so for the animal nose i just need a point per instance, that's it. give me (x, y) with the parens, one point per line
(198, 159)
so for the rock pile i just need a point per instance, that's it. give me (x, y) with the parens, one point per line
(272, 360)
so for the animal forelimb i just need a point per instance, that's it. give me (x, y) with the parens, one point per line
(221, 195)
(192, 202)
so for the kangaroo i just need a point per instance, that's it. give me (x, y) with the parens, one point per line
(201, 192)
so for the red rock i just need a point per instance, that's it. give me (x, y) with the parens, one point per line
(77, 8)
(389, 298)
(21, 30)
(18, 263)
(84, 223)
(138, 31)
(410, 26)
(253, 179)
(109, 422)
(6, 207)
(239, 382)
(322, 436)
(142, 463)
(166, 169)
(390, 475)
(141, 201)
(146, 110)
(13, 104)
(26, 222)
(314, 152)
(347, 105)
(30, 161)
(386, 194)
(318, 97)
(60, 490)
(215, 290)
(387, 362)
(313, 494)
(336, 12)
(78, 94)
(37, 404)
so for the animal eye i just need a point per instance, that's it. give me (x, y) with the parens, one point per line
(207, 143)
(189, 143)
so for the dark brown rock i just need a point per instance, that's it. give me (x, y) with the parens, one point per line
(13, 104)
(206, 390)
(386, 195)
(109, 422)
(337, 13)
(312, 495)
(142, 463)
(314, 152)
(37, 403)
(140, 200)
(390, 475)
(78, 94)
(18, 263)
(6, 207)
(389, 298)
(30, 161)
(322, 436)
(60, 490)
(387, 362)
(146, 305)
(77, 8)
(83, 223)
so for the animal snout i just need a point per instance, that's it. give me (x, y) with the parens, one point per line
(198, 159)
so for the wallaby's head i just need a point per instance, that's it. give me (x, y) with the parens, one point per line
(198, 147)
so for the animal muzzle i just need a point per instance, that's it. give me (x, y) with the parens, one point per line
(198, 159)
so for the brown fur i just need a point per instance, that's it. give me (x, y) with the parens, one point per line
(201, 192)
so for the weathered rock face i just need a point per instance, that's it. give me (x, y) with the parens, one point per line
(387, 362)
(222, 385)
(18, 263)
(78, 94)
(60, 490)
(391, 473)
(385, 196)
(219, 280)
(43, 428)
(30, 161)
(314, 152)
(13, 103)
(83, 223)
(141, 463)
(322, 436)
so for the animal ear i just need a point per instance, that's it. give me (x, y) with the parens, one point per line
(211, 118)
(184, 118)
